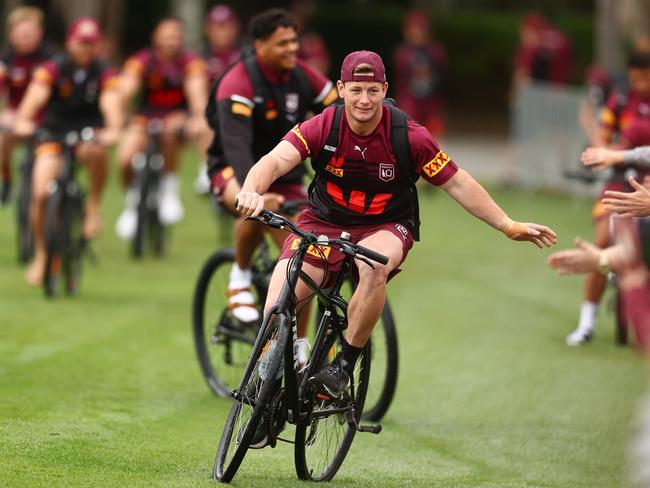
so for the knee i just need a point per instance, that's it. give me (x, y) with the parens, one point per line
(373, 278)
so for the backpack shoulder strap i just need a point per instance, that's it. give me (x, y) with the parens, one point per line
(401, 147)
(306, 90)
(260, 88)
(329, 148)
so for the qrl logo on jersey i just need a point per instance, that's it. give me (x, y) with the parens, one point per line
(386, 172)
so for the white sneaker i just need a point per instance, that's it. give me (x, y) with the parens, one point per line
(170, 208)
(242, 305)
(202, 182)
(302, 351)
(579, 336)
(127, 223)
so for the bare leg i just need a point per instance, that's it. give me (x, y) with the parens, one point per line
(95, 158)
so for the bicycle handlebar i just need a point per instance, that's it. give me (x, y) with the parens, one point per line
(271, 219)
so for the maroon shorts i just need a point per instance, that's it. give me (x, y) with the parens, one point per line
(221, 177)
(307, 221)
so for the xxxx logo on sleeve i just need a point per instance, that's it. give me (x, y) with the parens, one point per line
(322, 252)
(434, 166)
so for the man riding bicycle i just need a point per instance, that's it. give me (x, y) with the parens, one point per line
(257, 101)
(26, 50)
(364, 191)
(174, 88)
(76, 90)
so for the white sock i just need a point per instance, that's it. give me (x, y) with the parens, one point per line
(588, 314)
(169, 182)
(240, 278)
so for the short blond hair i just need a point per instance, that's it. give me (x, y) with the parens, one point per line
(363, 68)
(22, 14)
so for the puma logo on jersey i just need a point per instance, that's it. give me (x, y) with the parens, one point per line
(362, 151)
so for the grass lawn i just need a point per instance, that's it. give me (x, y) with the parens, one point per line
(104, 389)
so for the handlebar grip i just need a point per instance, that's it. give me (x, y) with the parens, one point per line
(370, 254)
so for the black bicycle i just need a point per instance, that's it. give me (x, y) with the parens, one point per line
(148, 168)
(64, 216)
(275, 389)
(24, 238)
(223, 344)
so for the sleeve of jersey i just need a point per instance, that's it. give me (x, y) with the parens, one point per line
(308, 137)
(324, 89)
(608, 118)
(109, 79)
(195, 65)
(46, 73)
(134, 65)
(429, 160)
(236, 132)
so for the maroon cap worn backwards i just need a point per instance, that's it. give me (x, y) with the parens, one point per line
(85, 29)
(356, 58)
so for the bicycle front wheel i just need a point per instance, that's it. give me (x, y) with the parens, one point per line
(223, 345)
(323, 442)
(55, 232)
(259, 383)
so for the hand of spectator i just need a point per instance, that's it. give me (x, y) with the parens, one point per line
(194, 126)
(601, 158)
(108, 137)
(540, 235)
(629, 204)
(583, 259)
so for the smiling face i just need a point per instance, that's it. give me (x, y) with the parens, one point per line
(280, 49)
(168, 38)
(363, 101)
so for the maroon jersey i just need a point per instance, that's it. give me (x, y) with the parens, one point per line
(217, 61)
(629, 116)
(163, 81)
(16, 71)
(362, 183)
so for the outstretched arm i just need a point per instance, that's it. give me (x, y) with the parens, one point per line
(477, 201)
(629, 204)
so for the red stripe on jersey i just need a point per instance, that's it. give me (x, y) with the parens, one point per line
(357, 201)
(336, 193)
(378, 203)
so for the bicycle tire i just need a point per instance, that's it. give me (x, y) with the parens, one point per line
(309, 434)
(73, 253)
(137, 246)
(221, 376)
(54, 241)
(25, 240)
(159, 235)
(384, 373)
(277, 329)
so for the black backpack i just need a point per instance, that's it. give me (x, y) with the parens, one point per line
(401, 147)
(260, 88)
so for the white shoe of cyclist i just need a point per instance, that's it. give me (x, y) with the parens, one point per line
(241, 303)
(579, 336)
(127, 222)
(170, 208)
(302, 351)
(202, 182)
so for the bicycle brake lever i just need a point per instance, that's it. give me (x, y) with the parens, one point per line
(367, 261)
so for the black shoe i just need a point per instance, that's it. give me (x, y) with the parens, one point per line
(332, 380)
(260, 438)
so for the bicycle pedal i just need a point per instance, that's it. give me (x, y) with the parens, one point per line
(373, 428)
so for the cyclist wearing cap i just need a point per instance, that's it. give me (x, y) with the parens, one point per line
(362, 191)
(248, 125)
(76, 90)
(173, 82)
(25, 51)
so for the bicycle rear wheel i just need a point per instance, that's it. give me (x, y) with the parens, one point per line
(55, 233)
(256, 390)
(223, 345)
(385, 361)
(323, 442)
(75, 245)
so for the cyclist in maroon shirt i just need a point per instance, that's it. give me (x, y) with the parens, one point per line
(25, 51)
(362, 191)
(75, 90)
(256, 103)
(174, 88)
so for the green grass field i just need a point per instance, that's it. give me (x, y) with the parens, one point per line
(104, 389)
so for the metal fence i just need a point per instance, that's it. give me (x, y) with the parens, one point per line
(546, 138)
